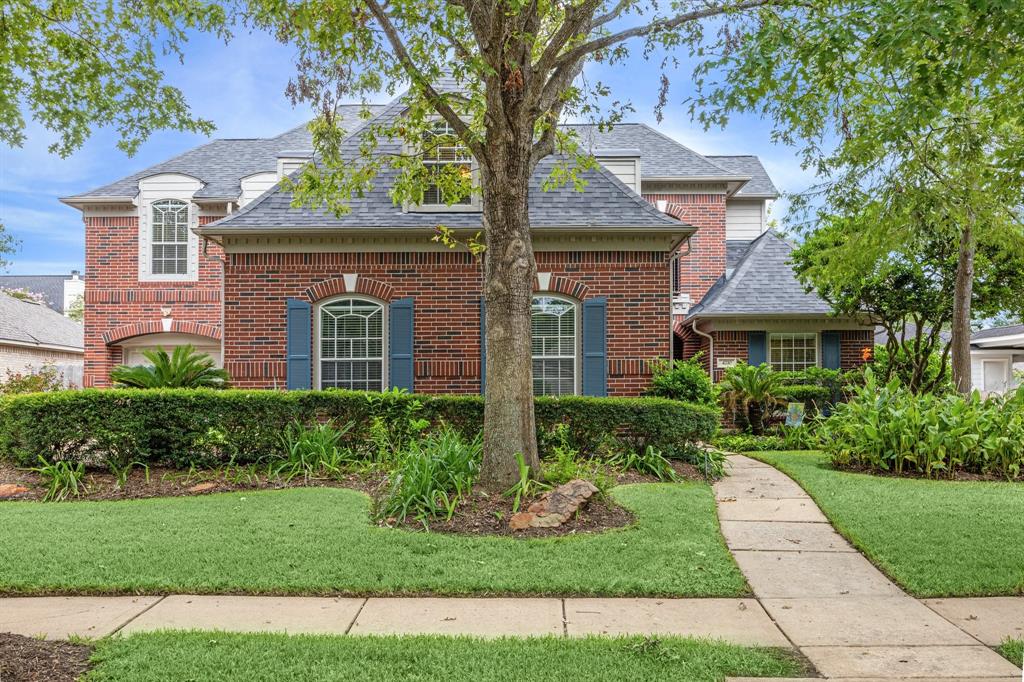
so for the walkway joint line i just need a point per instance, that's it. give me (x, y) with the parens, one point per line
(129, 621)
(356, 617)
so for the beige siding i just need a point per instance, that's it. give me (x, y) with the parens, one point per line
(21, 359)
(255, 185)
(744, 218)
(625, 169)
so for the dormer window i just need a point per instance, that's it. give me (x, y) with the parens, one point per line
(169, 244)
(443, 155)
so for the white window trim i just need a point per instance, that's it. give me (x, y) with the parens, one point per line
(385, 333)
(167, 186)
(817, 347)
(577, 371)
(474, 205)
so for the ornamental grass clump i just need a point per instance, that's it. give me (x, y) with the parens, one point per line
(431, 476)
(885, 427)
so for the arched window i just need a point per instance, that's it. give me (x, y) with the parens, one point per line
(555, 347)
(350, 344)
(169, 237)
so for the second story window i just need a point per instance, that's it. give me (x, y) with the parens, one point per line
(169, 241)
(443, 155)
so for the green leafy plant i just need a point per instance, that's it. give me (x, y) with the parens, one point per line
(431, 476)
(886, 427)
(650, 461)
(311, 452)
(753, 391)
(685, 380)
(63, 479)
(46, 378)
(122, 470)
(526, 487)
(185, 368)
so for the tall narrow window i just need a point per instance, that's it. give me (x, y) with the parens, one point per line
(554, 346)
(445, 158)
(792, 352)
(351, 345)
(169, 242)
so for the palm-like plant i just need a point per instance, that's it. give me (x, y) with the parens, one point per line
(753, 389)
(185, 368)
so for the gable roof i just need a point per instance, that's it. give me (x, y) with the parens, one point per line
(1006, 337)
(50, 287)
(759, 186)
(763, 284)
(660, 155)
(609, 203)
(221, 164)
(33, 324)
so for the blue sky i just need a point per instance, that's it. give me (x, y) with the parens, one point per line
(240, 88)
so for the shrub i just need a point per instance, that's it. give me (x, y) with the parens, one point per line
(186, 426)
(752, 391)
(185, 368)
(431, 476)
(886, 427)
(745, 442)
(46, 378)
(683, 380)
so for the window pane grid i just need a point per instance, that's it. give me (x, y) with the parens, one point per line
(351, 345)
(793, 352)
(449, 151)
(169, 241)
(554, 346)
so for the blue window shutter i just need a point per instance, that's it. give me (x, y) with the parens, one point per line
(757, 348)
(595, 354)
(483, 344)
(299, 344)
(400, 344)
(831, 357)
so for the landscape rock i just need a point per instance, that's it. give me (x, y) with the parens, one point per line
(11, 489)
(555, 507)
(202, 487)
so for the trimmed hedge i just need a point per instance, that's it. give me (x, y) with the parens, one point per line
(200, 426)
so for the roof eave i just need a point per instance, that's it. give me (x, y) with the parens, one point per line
(42, 345)
(693, 178)
(78, 202)
(214, 230)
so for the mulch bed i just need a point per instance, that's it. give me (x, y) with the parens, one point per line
(168, 482)
(488, 515)
(26, 659)
(944, 476)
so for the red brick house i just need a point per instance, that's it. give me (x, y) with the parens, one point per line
(206, 249)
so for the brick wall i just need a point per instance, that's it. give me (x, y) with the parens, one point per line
(20, 359)
(114, 296)
(446, 292)
(705, 263)
(852, 344)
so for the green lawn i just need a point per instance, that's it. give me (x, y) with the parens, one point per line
(935, 538)
(321, 541)
(211, 656)
(1013, 649)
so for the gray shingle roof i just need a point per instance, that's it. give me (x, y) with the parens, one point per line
(996, 332)
(763, 284)
(221, 164)
(50, 287)
(606, 202)
(660, 155)
(735, 249)
(760, 185)
(36, 324)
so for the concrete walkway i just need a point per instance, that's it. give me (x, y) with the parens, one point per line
(836, 607)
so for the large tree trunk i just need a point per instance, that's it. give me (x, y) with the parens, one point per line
(963, 291)
(509, 272)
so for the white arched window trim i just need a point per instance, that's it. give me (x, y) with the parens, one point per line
(319, 346)
(167, 187)
(549, 362)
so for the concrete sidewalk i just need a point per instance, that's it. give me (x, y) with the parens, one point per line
(742, 621)
(836, 607)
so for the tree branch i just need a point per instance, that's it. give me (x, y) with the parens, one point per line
(416, 76)
(658, 25)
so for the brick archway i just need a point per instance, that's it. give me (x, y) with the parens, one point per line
(340, 285)
(157, 327)
(557, 284)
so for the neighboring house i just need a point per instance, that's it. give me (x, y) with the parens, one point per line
(996, 355)
(32, 335)
(57, 291)
(206, 249)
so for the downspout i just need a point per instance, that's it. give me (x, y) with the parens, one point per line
(711, 350)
